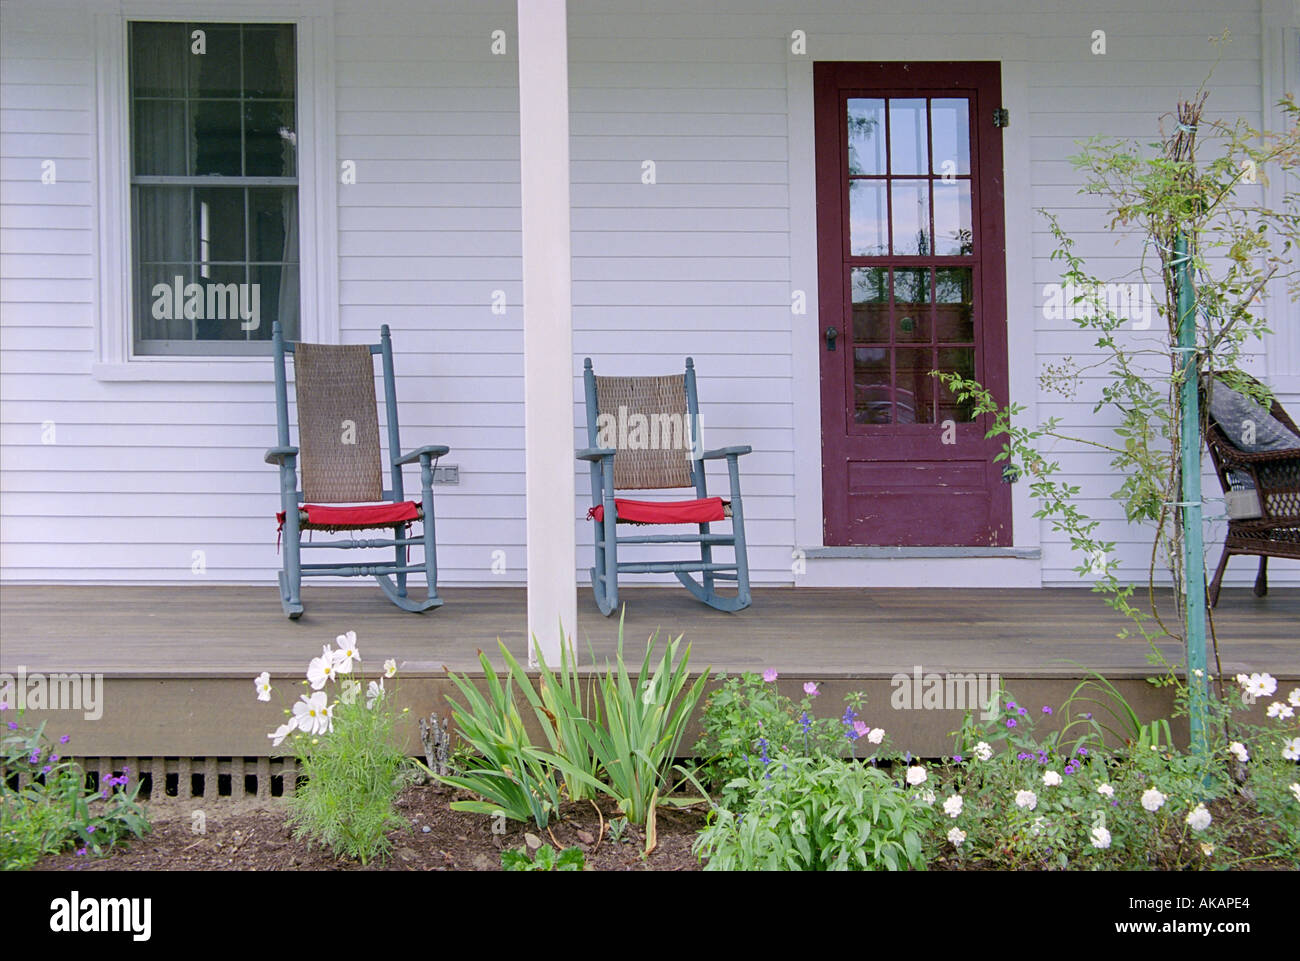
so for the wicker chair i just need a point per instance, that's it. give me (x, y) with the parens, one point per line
(338, 445)
(1274, 478)
(667, 453)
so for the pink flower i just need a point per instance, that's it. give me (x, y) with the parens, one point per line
(860, 729)
(769, 675)
(810, 688)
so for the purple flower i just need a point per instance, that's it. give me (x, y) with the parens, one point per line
(4, 705)
(81, 852)
(1011, 722)
(46, 769)
(1021, 711)
(804, 722)
(36, 756)
(104, 794)
(1114, 804)
(810, 688)
(1083, 750)
(90, 829)
(1022, 756)
(13, 726)
(1088, 715)
(65, 739)
(769, 675)
(1046, 709)
(957, 758)
(54, 758)
(125, 770)
(1011, 705)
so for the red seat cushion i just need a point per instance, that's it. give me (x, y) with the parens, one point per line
(356, 517)
(700, 511)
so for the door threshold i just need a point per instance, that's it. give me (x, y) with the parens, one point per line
(876, 553)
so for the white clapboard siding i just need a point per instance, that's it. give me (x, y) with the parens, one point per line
(697, 263)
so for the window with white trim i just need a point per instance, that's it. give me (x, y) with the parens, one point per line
(214, 186)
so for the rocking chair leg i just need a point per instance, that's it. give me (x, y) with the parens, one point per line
(1218, 577)
(400, 558)
(1261, 579)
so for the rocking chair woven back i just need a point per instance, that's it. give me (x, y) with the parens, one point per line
(649, 422)
(338, 423)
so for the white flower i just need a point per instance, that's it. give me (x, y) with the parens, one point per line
(1257, 685)
(1295, 789)
(390, 668)
(1280, 710)
(1100, 838)
(321, 669)
(348, 691)
(876, 735)
(329, 718)
(1152, 800)
(926, 797)
(375, 692)
(263, 684)
(1198, 818)
(1239, 749)
(983, 751)
(1037, 827)
(1026, 799)
(952, 806)
(1294, 698)
(280, 733)
(1051, 779)
(1105, 790)
(916, 774)
(956, 836)
(347, 652)
(310, 713)
(1291, 749)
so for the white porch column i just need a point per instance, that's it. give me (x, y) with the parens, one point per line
(548, 324)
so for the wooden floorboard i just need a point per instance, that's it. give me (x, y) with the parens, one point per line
(220, 631)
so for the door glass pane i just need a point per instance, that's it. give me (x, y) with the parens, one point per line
(950, 134)
(908, 150)
(911, 216)
(952, 228)
(868, 215)
(962, 361)
(914, 397)
(953, 287)
(871, 304)
(866, 137)
(912, 304)
(871, 401)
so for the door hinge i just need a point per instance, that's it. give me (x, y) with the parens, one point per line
(1002, 117)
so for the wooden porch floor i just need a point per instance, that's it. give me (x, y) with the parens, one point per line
(178, 663)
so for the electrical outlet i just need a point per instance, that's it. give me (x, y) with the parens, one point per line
(450, 474)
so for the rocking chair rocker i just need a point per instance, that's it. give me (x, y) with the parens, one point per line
(338, 433)
(643, 434)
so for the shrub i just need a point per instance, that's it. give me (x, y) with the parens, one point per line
(814, 814)
(517, 859)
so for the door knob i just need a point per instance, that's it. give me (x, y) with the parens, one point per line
(831, 334)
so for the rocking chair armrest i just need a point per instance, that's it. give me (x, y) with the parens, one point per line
(279, 455)
(722, 452)
(430, 451)
(595, 453)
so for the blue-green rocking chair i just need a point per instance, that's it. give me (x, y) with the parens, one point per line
(644, 434)
(339, 456)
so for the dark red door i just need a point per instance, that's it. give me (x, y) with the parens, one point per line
(912, 278)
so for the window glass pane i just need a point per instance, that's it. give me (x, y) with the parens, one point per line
(961, 360)
(158, 59)
(914, 397)
(952, 227)
(216, 147)
(270, 66)
(276, 289)
(908, 150)
(160, 301)
(227, 298)
(866, 136)
(269, 139)
(950, 126)
(273, 217)
(871, 399)
(164, 228)
(911, 216)
(219, 225)
(955, 311)
(868, 215)
(911, 304)
(159, 141)
(215, 72)
(871, 304)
